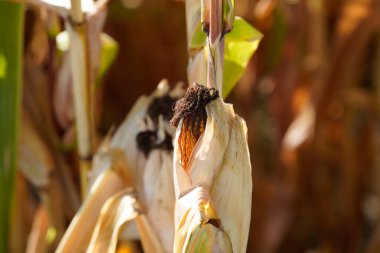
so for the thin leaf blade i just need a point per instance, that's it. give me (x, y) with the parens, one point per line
(241, 44)
(10, 86)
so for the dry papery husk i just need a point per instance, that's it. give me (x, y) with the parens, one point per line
(78, 234)
(118, 212)
(220, 162)
(198, 228)
(119, 164)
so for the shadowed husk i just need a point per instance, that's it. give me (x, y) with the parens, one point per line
(121, 164)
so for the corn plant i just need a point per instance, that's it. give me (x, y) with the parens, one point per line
(148, 181)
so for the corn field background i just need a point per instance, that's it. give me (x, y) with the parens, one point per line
(310, 96)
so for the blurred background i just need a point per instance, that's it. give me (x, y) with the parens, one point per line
(310, 97)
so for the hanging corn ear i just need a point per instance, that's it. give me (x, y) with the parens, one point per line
(146, 137)
(138, 135)
(139, 155)
(210, 149)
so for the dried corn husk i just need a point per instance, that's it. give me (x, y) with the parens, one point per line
(159, 192)
(116, 213)
(198, 227)
(79, 232)
(219, 161)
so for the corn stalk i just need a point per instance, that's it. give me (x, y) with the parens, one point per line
(82, 89)
(11, 28)
(214, 27)
(218, 58)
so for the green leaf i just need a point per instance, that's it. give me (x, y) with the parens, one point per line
(3, 66)
(241, 43)
(108, 54)
(199, 38)
(11, 44)
(228, 12)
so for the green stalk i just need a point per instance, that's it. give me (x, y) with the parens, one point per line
(11, 44)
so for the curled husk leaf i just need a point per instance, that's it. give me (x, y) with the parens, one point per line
(119, 210)
(78, 234)
(198, 228)
(219, 161)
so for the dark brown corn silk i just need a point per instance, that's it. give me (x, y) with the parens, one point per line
(161, 106)
(192, 110)
(148, 140)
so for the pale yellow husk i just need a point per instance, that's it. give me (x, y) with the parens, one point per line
(115, 213)
(79, 233)
(196, 228)
(118, 212)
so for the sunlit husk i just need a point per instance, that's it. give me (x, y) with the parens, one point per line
(234, 204)
(78, 234)
(117, 212)
(220, 161)
(37, 240)
(197, 229)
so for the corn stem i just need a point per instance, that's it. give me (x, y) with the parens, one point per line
(82, 90)
(212, 20)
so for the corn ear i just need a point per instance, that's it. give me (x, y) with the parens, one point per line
(221, 162)
(152, 171)
(122, 159)
(125, 136)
